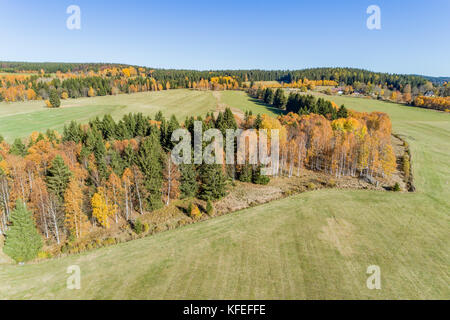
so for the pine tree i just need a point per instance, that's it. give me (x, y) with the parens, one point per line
(23, 241)
(213, 182)
(58, 177)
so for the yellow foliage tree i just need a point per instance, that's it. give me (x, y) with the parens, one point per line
(101, 210)
(75, 220)
(91, 92)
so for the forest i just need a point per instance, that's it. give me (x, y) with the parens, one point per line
(105, 172)
(30, 81)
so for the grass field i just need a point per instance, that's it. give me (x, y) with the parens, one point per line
(242, 101)
(19, 119)
(310, 246)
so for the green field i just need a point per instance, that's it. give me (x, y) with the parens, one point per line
(19, 119)
(310, 246)
(242, 101)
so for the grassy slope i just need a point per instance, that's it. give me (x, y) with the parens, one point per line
(314, 245)
(21, 118)
(241, 100)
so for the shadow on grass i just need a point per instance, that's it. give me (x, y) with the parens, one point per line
(267, 106)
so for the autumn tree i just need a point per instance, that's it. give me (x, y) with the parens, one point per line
(75, 219)
(171, 177)
(101, 209)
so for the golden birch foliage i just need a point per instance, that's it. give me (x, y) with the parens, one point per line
(75, 220)
(101, 210)
(388, 160)
(91, 92)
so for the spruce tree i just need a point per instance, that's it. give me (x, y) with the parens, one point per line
(268, 96)
(245, 173)
(258, 122)
(279, 100)
(149, 160)
(213, 182)
(18, 148)
(54, 99)
(258, 178)
(171, 127)
(188, 183)
(342, 113)
(58, 177)
(23, 241)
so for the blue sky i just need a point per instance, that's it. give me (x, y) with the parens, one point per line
(229, 34)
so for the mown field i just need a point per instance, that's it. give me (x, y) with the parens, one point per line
(19, 119)
(316, 245)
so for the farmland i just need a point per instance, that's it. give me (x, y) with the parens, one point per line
(316, 245)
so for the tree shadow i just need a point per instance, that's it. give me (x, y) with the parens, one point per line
(267, 106)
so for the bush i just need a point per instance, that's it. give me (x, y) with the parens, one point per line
(194, 211)
(209, 207)
(138, 226)
(42, 255)
(311, 186)
(396, 187)
(258, 178)
(406, 166)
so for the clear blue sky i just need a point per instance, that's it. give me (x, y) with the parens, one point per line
(229, 34)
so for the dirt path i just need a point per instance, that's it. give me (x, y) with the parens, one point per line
(221, 106)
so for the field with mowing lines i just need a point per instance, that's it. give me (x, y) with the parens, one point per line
(19, 119)
(316, 245)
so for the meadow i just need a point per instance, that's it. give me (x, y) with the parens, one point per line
(315, 245)
(19, 119)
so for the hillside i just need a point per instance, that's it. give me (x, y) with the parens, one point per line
(310, 246)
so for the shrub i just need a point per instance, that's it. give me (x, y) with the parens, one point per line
(209, 207)
(138, 226)
(194, 211)
(44, 255)
(406, 166)
(258, 178)
(396, 187)
(311, 186)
